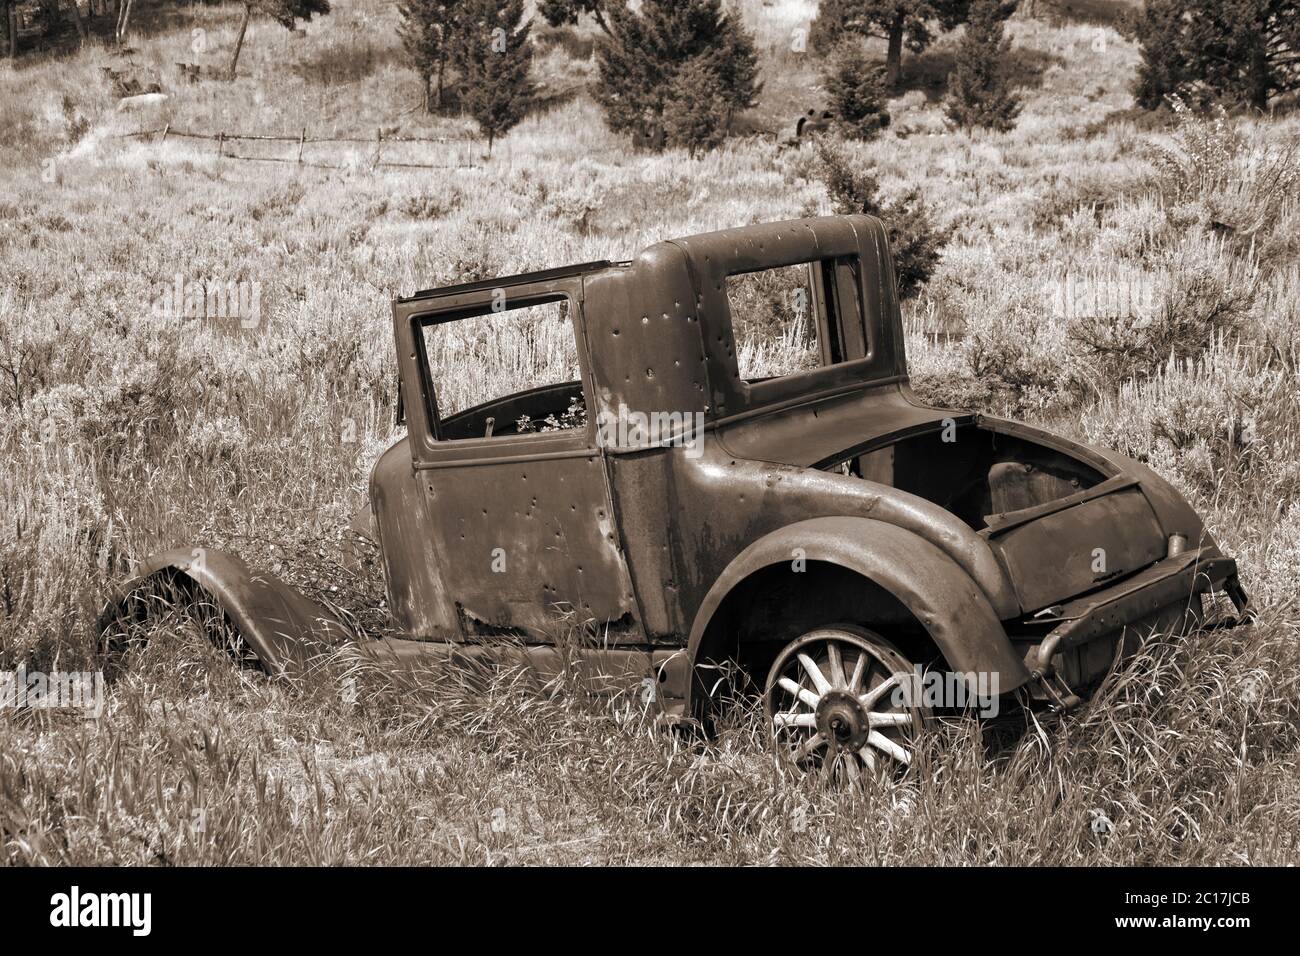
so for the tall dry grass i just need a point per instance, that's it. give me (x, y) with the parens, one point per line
(125, 431)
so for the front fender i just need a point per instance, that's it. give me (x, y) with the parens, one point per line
(281, 626)
(938, 593)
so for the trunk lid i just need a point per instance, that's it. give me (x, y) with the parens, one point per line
(1068, 547)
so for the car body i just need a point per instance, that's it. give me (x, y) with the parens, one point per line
(753, 511)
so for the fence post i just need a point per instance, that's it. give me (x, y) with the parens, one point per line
(379, 145)
(221, 143)
(163, 137)
(301, 139)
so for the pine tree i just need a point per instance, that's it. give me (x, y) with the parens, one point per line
(856, 89)
(494, 57)
(979, 93)
(899, 23)
(283, 12)
(560, 12)
(641, 60)
(915, 242)
(695, 114)
(1242, 51)
(429, 33)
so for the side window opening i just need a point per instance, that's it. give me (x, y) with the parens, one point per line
(799, 317)
(504, 372)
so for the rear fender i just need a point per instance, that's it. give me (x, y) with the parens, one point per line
(939, 594)
(282, 627)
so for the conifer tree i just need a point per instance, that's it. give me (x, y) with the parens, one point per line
(429, 34)
(1243, 52)
(560, 12)
(695, 114)
(856, 89)
(640, 62)
(979, 92)
(494, 58)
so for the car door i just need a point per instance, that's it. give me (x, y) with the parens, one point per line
(514, 484)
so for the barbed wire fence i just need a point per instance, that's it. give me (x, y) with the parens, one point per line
(302, 140)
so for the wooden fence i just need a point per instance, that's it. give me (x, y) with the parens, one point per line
(302, 140)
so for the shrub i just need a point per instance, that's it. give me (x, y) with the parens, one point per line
(695, 115)
(979, 93)
(1207, 295)
(1017, 356)
(639, 63)
(856, 89)
(914, 239)
(1219, 417)
(1206, 150)
(1211, 174)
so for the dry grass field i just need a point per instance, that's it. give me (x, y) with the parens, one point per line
(1129, 282)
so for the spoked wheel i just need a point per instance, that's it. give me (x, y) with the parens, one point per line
(838, 704)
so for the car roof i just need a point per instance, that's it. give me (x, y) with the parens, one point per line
(505, 282)
(802, 238)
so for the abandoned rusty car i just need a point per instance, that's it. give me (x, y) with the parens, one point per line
(702, 510)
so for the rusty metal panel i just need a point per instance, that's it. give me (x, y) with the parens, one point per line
(529, 541)
(413, 558)
(643, 333)
(942, 598)
(720, 503)
(1081, 548)
(284, 629)
(816, 430)
(716, 255)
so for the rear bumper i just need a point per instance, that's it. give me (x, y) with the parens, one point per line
(1176, 580)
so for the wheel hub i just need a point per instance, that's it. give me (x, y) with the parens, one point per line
(843, 720)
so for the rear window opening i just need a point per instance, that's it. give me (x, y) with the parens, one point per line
(973, 472)
(796, 318)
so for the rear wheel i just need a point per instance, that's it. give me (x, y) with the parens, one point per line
(840, 703)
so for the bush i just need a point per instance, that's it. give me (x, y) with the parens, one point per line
(856, 88)
(1208, 296)
(914, 240)
(1018, 357)
(1206, 151)
(695, 115)
(1219, 417)
(979, 91)
(640, 62)
(1213, 175)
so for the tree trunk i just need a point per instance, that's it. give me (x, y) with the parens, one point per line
(239, 40)
(123, 20)
(1259, 76)
(428, 93)
(442, 72)
(894, 54)
(11, 18)
(77, 21)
